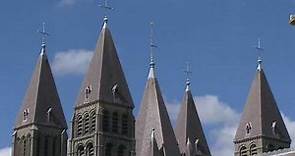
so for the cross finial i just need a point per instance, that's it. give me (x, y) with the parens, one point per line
(106, 7)
(44, 34)
(152, 45)
(259, 49)
(188, 72)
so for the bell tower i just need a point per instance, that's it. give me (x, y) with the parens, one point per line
(103, 121)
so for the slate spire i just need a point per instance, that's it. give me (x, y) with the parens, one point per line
(154, 116)
(105, 80)
(41, 104)
(189, 128)
(261, 119)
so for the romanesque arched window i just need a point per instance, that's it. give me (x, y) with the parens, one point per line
(46, 146)
(38, 138)
(121, 150)
(115, 122)
(108, 149)
(17, 146)
(28, 145)
(86, 123)
(24, 144)
(243, 151)
(79, 125)
(124, 124)
(54, 143)
(90, 150)
(253, 149)
(93, 121)
(80, 150)
(105, 121)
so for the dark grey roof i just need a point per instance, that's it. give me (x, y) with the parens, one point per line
(105, 76)
(189, 128)
(281, 152)
(261, 113)
(153, 115)
(40, 97)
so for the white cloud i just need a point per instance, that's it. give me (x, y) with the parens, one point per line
(213, 111)
(67, 2)
(222, 121)
(5, 151)
(64, 3)
(71, 62)
(290, 124)
(222, 118)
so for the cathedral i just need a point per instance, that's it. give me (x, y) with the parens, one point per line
(103, 123)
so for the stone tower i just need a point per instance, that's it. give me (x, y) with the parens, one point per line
(154, 132)
(103, 122)
(41, 126)
(189, 132)
(261, 128)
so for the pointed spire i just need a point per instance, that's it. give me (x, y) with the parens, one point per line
(105, 80)
(259, 50)
(154, 115)
(260, 112)
(189, 127)
(42, 96)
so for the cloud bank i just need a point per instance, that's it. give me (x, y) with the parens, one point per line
(221, 122)
(5, 151)
(67, 3)
(71, 62)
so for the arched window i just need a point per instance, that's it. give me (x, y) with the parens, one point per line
(90, 150)
(93, 121)
(80, 151)
(79, 125)
(17, 146)
(108, 149)
(115, 122)
(105, 125)
(38, 145)
(28, 145)
(121, 150)
(253, 149)
(243, 151)
(46, 146)
(86, 123)
(24, 146)
(124, 124)
(54, 140)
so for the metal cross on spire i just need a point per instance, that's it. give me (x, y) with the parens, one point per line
(188, 73)
(106, 7)
(259, 49)
(44, 34)
(152, 45)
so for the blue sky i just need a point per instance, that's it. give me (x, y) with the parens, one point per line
(217, 37)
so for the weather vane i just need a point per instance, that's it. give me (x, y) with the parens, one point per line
(43, 33)
(106, 7)
(188, 73)
(152, 44)
(259, 50)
